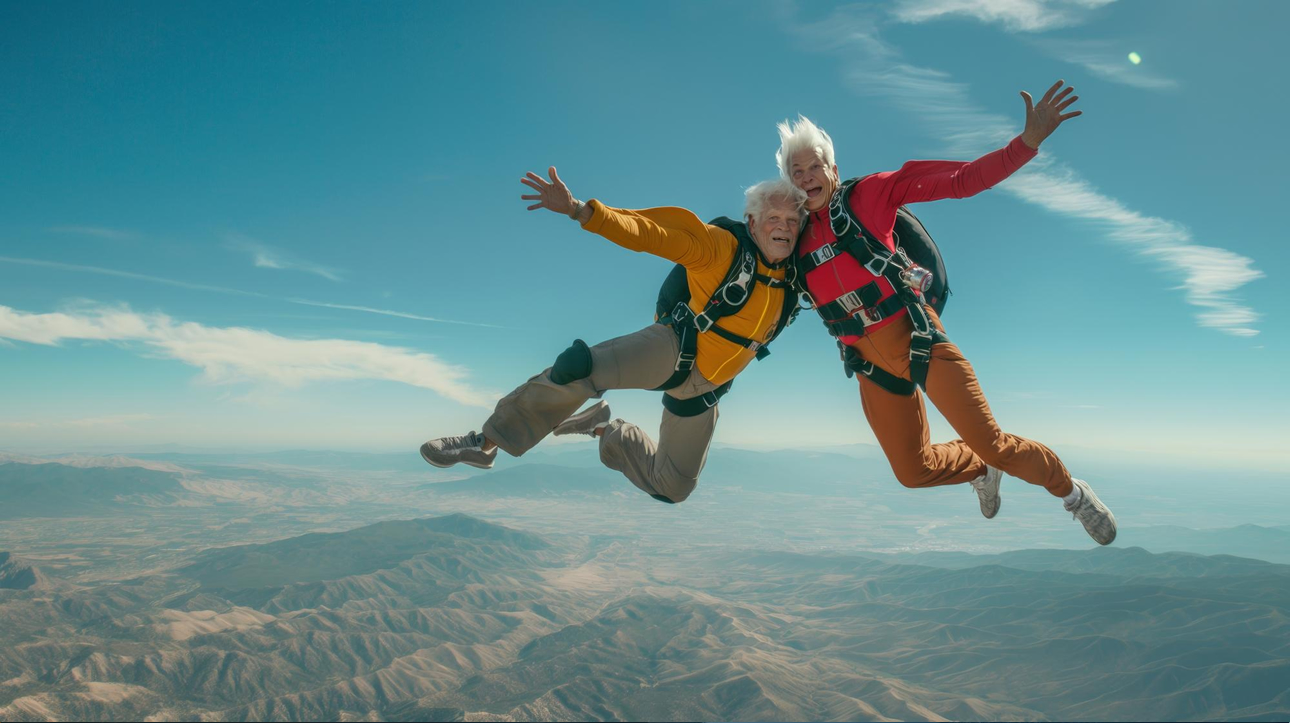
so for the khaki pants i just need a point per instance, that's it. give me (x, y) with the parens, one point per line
(900, 422)
(642, 360)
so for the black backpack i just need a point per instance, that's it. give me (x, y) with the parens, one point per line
(912, 236)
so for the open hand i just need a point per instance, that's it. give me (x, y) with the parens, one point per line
(553, 195)
(1042, 118)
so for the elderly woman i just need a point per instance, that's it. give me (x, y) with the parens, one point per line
(739, 298)
(870, 300)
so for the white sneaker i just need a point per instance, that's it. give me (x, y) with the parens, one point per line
(1096, 517)
(584, 422)
(987, 491)
(466, 449)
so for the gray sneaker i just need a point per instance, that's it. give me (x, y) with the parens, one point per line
(1095, 516)
(987, 491)
(466, 449)
(584, 422)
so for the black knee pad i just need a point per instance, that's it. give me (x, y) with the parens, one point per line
(573, 363)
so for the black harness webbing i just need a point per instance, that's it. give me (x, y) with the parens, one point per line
(695, 406)
(853, 312)
(730, 297)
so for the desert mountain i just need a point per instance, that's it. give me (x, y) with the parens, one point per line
(18, 574)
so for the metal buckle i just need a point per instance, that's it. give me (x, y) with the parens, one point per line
(810, 300)
(754, 346)
(685, 362)
(823, 253)
(879, 271)
(702, 322)
(851, 303)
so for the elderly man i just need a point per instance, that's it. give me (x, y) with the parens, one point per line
(739, 297)
(869, 294)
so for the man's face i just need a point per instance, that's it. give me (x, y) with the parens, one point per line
(776, 231)
(808, 172)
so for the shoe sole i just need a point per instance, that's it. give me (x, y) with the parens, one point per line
(561, 430)
(431, 462)
(453, 464)
(1097, 502)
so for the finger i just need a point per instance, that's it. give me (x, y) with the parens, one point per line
(555, 177)
(535, 177)
(531, 184)
(1030, 102)
(1049, 95)
(530, 197)
(1065, 92)
(1068, 116)
(1066, 105)
(535, 207)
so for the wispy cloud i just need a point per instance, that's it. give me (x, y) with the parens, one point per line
(870, 66)
(224, 290)
(1014, 15)
(237, 355)
(387, 312)
(1107, 60)
(96, 231)
(128, 275)
(267, 257)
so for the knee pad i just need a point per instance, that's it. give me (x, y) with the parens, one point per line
(573, 363)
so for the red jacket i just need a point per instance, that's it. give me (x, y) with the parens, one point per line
(875, 200)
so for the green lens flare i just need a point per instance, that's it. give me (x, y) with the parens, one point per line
(1135, 58)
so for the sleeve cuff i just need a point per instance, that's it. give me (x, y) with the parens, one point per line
(1019, 147)
(597, 220)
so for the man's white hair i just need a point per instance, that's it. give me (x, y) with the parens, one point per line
(802, 135)
(778, 189)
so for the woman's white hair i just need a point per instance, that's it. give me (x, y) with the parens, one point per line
(802, 135)
(776, 189)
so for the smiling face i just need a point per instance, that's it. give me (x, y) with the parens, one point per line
(808, 172)
(775, 233)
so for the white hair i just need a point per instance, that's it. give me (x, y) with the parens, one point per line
(773, 190)
(802, 135)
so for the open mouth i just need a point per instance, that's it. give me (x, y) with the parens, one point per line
(813, 192)
(780, 240)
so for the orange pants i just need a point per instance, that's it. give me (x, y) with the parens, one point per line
(900, 422)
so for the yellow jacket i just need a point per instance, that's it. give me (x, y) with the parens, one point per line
(706, 252)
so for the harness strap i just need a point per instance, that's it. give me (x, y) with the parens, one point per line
(864, 318)
(695, 406)
(854, 364)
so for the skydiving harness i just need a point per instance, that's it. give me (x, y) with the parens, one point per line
(729, 298)
(855, 311)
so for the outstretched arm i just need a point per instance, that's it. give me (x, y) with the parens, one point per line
(919, 181)
(672, 233)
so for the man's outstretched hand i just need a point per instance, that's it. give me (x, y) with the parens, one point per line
(553, 195)
(1042, 118)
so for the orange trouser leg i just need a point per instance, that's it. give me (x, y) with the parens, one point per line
(900, 422)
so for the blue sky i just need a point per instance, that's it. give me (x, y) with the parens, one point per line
(280, 225)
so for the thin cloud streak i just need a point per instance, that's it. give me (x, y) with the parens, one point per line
(268, 257)
(231, 355)
(1106, 60)
(96, 231)
(872, 67)
(225, 290)
(387, 312)
(129, 275)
